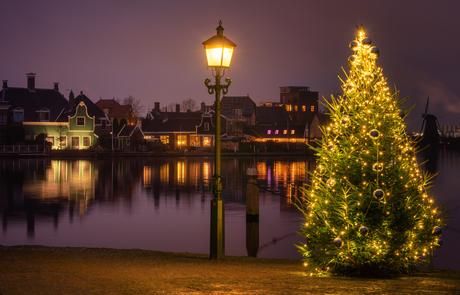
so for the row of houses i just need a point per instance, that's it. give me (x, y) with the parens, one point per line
(79, 123)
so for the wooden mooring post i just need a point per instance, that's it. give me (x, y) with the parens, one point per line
(252, 196)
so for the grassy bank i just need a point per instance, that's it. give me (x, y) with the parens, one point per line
(51, 270)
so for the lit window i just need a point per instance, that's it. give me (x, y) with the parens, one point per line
(304, 108)
(312, 108)
(86, 141)
(269, 132)
(50, 139)
(182, 140)
(276, 131)
(292, 131)
(206, 141)
(296, 108)
(80, 121)
(194, 140)
(63, 141)
(164, 139)
(285, 131)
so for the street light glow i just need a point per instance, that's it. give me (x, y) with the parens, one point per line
(218, 56)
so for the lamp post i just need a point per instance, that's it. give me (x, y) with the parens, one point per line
(219, 51)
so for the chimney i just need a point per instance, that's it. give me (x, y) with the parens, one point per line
(71, 100)
(5, 84)
(157, 106)
(177, 108)
(203, 107)
(56, 86)
(31, 81)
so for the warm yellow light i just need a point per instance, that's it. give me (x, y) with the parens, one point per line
(218, 56)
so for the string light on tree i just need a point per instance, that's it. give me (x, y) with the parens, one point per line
(367, 208)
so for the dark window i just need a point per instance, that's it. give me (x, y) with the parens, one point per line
(3, 119)
(44, 116)
(18, 116)
(80, 121)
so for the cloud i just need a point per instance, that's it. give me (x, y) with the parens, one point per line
(435, 88)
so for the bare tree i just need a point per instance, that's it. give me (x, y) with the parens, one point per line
(172, 107)
(189, 104)
(135, 104)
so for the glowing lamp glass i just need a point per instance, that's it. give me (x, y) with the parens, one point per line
(218, 56)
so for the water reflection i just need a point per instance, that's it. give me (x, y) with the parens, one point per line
(164, 203)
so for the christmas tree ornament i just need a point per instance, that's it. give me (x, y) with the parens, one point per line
(367, 42)
(378, 193)
(377, 167)
(345, 122)
(338, 242)
(330, 147)
(320, 169)
(436, 231)
(439, 241)
(354, 45)
(351, 59)
(331, 182)
(374, 133)
(363, 231)
(375, 51)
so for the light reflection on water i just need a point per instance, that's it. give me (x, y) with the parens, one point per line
(164, 203)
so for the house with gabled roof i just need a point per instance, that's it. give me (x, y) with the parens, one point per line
(130, 138)
(117, 113)
(76, 133)
(181, 130)
(27, 104)
(102, 124)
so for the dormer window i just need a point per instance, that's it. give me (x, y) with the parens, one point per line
(44, 115)
(18, 115)
(206, 126)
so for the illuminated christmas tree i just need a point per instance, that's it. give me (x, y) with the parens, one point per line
(368, 209)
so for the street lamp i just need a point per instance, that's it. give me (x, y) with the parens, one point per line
(219, 51)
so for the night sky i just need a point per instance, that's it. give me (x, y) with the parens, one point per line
(153, 50)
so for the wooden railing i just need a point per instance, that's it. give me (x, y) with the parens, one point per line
(22, 149)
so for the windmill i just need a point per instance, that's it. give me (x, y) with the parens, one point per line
(432, 128)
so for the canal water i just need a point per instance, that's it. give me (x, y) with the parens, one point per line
(163, 203)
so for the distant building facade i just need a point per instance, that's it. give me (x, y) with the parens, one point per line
(301, 104)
